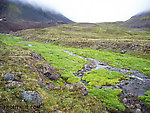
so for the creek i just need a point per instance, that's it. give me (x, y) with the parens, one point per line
(131, 88)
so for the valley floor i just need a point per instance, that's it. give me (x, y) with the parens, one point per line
(75, 74)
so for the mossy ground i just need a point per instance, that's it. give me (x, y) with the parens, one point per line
(146, 98)
(77, 35)
(103, 77)
(96, 36)
(20, 59)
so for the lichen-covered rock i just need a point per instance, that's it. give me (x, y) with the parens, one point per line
(8, 77)
(33, 97)
(83, 89)
(14, 84)
(51, 76)
(50, 73)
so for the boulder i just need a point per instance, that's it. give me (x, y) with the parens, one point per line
(33, 97)
(8, 77)
(83, 89)
(51, 76)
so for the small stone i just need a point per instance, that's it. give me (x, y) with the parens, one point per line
(57, 111)
(123, 51)
(14, 84)
(138, 106)
(33, 97)
(68, 85)
(29, 45)
(8, 77)
(2, 111)
(138, 111)
(1, 64)
(132, 106)
(19, 73)
(125, 100)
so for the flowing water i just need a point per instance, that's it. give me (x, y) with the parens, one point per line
(131, 88)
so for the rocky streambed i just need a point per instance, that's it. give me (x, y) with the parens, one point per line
(131, 88)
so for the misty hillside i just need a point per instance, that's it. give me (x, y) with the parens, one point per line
(141, 20)
(22, 16)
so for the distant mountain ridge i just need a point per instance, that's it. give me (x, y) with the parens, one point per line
(22, 16)
(17, 11)
(141, 20)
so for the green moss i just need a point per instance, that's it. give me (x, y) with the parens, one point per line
(146, 98)
(109, 97)
(116, 59)
(73, 79)
(67, 65)
(21, 61)
(102, 77)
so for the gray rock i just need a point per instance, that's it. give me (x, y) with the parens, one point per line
(57, 111)
(1, 64)
(125, 100)
(2, 111)
(83, 89)
(29, 45)
(33, 97)
(8, 77)
(14, 84)
(123, 51)
(138, 111)
(68, 85)
(138, 106)
(51, 76)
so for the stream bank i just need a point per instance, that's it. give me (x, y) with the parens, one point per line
(131, 88)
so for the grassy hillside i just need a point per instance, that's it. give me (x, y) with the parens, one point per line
(139, 21)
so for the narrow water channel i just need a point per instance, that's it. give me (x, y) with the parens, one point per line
(131, 88)
(137, 84)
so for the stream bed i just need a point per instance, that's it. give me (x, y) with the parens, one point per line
(131, 88)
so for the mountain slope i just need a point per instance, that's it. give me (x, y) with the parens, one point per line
(22, 16)
(141, 20)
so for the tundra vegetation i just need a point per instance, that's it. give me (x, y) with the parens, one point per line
(24, 53)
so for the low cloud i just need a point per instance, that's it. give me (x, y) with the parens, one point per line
(93, 10)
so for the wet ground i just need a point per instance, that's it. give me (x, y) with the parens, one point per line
(131, 88)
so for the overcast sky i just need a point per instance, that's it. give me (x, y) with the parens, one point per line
(94, 10)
